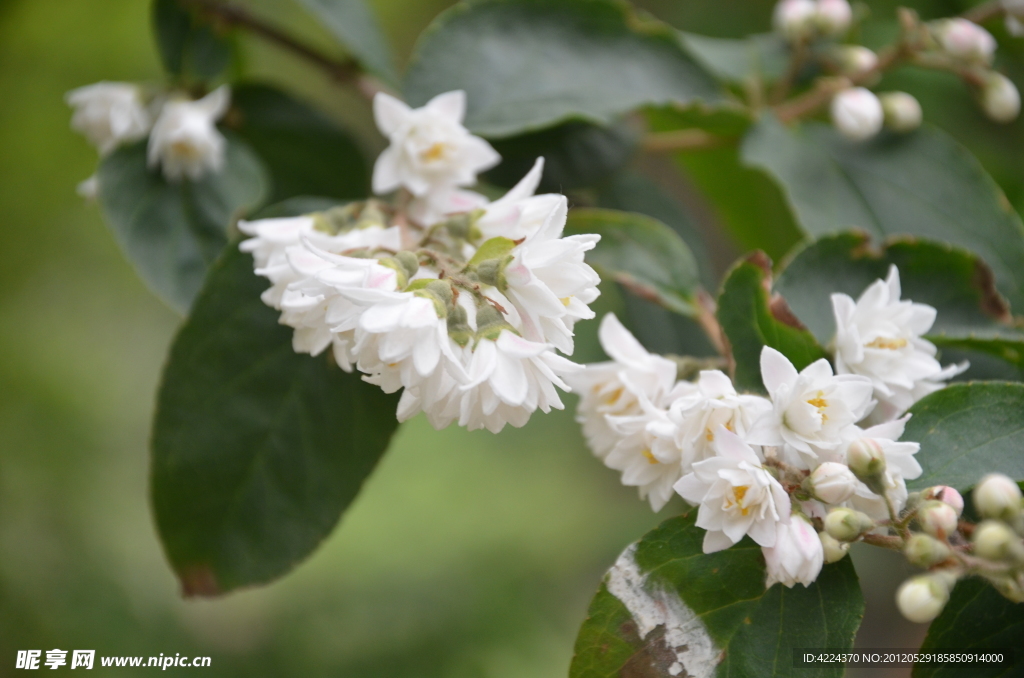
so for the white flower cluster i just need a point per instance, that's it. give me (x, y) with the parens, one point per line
(774, 467)
(183, 136)
(460, 302)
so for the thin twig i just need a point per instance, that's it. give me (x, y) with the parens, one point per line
(985, 11)
(346, 71)
(683, 140)
(796, 62)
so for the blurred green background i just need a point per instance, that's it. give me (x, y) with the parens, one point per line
(466, 554)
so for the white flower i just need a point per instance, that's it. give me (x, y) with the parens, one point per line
(794, 19)
(857, 113)
(797, 556)
(999, 98)
(694, 417)
(509, 378)
(812, 409)
(736, 495)
(109, 114)
(879, 337)
(185, 140)
(436, 205)
(430, 150)
(519, 213)
(965, 40)
(615, 388)
(644, 464)
(902, 111)
(833, 17)
(549, 282)
(900, 465)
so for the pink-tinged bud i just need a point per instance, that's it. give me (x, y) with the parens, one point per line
(833, 17)
(998, 497)
(794, 19)
(937, 519)
(922, 598)
(999, 98)
(965, 40)
(902, 111)
(832, 483)
(947, 495)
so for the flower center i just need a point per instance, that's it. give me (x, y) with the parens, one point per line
(613, 396)
(736, 500)
(891, 344)
(437, 151)
(185, 149)
(650, 457)
(819, 402)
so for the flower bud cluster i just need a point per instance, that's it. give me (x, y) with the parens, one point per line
(802, 20)
(802, 460)
(183, 136)
(463, 309)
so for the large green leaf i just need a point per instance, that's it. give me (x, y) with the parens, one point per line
(751, 319)
(257, 449)
(764, 56)
(921, 184)
(642, 254)
(173, 231)
(528, 64)
(356, 28)
(972, 316)
(576, 155)
(978, 619)
(668, 609)
(968, 430)
(306, 153)
(188, 47)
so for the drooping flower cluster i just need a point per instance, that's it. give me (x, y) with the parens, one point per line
(183, 136)
(823, 446)
(461, 303)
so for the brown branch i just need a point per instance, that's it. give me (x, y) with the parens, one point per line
(683, 140)
(346, 71)
(985, 11)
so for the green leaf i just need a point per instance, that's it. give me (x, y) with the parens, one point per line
(752, 319)
(666, 604)
(972, 316)
(173, 231)
(642, 254)
(529, 64)
(354, 25)
(922, 184)
(764, 56)
(976, 618)
(305, 151)
(187, 46)
(257, 449)
(968, 430)
(576, 154)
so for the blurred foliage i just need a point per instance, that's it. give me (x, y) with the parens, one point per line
(465, 555)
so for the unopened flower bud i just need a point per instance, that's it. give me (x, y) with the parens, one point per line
(922, 598)
(856, 60)
(999, 98)
(857, 113)
(845, 524)
(794, 19)
(965, 40)
(1012, 588)
(947, 495)
(902, 111)
(937, 519)
(832, 483)
(833, 17)
(998, 497)
(925, 551)
(994, 540)
(833, 549)
(867, 461)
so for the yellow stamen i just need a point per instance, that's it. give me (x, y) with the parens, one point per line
(435, 152)
(613, 396)
(891, 344)
(566, 301)
(820, 402)
(650, 457)
(738, 493)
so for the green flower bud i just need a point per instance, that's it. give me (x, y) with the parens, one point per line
(844, 524)
(833, 549)
(409, 262)
(867, 461)
(925, 551)
(994, 540)
(922, 598)
(458, 325)
(998, 497)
